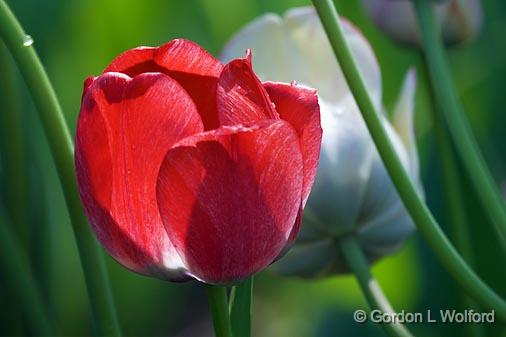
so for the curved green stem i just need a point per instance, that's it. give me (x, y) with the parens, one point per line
(17, 272)
(241, 300)
(16, 138)
(457, 216)
(61, 146)
(218, 303)
(421, 215)
(456, 210)
(452, 183)
(375, 297)
(13, 149)
(451, 109)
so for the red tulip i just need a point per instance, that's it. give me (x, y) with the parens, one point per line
(191, 168)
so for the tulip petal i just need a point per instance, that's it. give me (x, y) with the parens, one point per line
(296, 47)
(457, 20)
(404, 28)
(386, 232)
(125, 128)
(299, 106)
(241, 98)
(266, 37)
(194, 68)
(229, 198)
(345, 162)
(384, 224)
(309, 260)
(403, 120)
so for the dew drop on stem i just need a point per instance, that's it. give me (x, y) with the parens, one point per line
(27, 41)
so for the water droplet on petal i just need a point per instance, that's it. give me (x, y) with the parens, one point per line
(27, 41)
(129, 172)
(293, 82)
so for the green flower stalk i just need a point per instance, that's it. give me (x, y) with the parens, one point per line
(456, 216)
(424, 220)
(218, 303)
(241, 303)
(377, 301)
(60, 143)
(451, 109)
(13, 149)
(19, 277)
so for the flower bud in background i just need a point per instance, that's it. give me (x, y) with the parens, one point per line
(352, 192)
(460, 20)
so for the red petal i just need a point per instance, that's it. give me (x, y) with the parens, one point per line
(293, 235)
(295, 230)
(195, 69)
(229, 198)
(125, 128)
(241, 97)
(299, 106)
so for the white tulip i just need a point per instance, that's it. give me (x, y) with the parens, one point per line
(352, 192)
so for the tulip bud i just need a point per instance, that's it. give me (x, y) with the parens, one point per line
(464, 20)
(352, 193)
(460, 20)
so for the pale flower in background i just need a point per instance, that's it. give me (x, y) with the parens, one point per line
(352, 191)
(461, 20)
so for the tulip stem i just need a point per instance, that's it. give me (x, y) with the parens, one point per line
(451, 109)
(62, 149)
(218, 304)
(423, 218)
(241, 300)
(370, 287)
(19, 277)
(14, 158)
(457, 216)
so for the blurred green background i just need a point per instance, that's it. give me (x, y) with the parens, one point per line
(78, 38)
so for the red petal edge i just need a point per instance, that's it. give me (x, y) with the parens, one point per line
(241, 98)
(125, 128)
(299, 106)
(194, 68)
(229, 198)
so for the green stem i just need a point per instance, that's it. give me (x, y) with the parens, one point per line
(218, 303)
(421, 215)
(61, 146)
(16, 270)
(451, 109)
(456, 214)
(241, 300)
(452, 186)
(375, 297)
(13, 149)
(42, 247)
(456, 210)
(16, 138)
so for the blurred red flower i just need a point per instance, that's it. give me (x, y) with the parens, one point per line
(191, 168)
